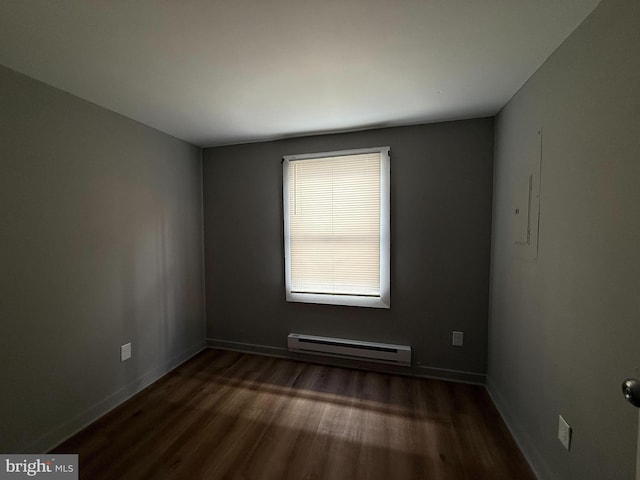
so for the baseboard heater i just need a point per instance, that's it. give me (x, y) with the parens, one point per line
(340, 347)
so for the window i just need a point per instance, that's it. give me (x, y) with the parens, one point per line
(336, 227)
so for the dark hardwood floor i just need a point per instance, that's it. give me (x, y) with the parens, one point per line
(232, 415)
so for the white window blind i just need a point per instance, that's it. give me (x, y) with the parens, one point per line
(336, 227)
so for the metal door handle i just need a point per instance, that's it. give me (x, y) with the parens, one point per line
(631, 391)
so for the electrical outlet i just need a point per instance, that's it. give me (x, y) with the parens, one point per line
(564, 432)
(125, 352)
(457, 339)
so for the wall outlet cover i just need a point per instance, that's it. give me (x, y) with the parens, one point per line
(564, 432)
(125, 352)
(457, 339)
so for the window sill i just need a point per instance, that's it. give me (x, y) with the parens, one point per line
(345, 300)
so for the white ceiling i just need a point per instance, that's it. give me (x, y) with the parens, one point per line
(216, 72)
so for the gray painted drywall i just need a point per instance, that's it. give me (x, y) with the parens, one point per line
(565, 330)
(100, 244)
(441, 184)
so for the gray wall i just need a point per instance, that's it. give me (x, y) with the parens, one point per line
(100, 244)
(441, 182)
(565, 330)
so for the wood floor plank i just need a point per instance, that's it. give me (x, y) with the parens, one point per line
(227, 415)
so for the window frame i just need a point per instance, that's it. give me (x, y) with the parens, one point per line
(382, 301)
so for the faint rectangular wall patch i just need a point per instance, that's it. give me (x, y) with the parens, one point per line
(44, 467)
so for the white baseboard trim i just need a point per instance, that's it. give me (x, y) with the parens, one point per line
(421, 371)
(536, 461)
(460, 376)
(71, 426)
(278, 352)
